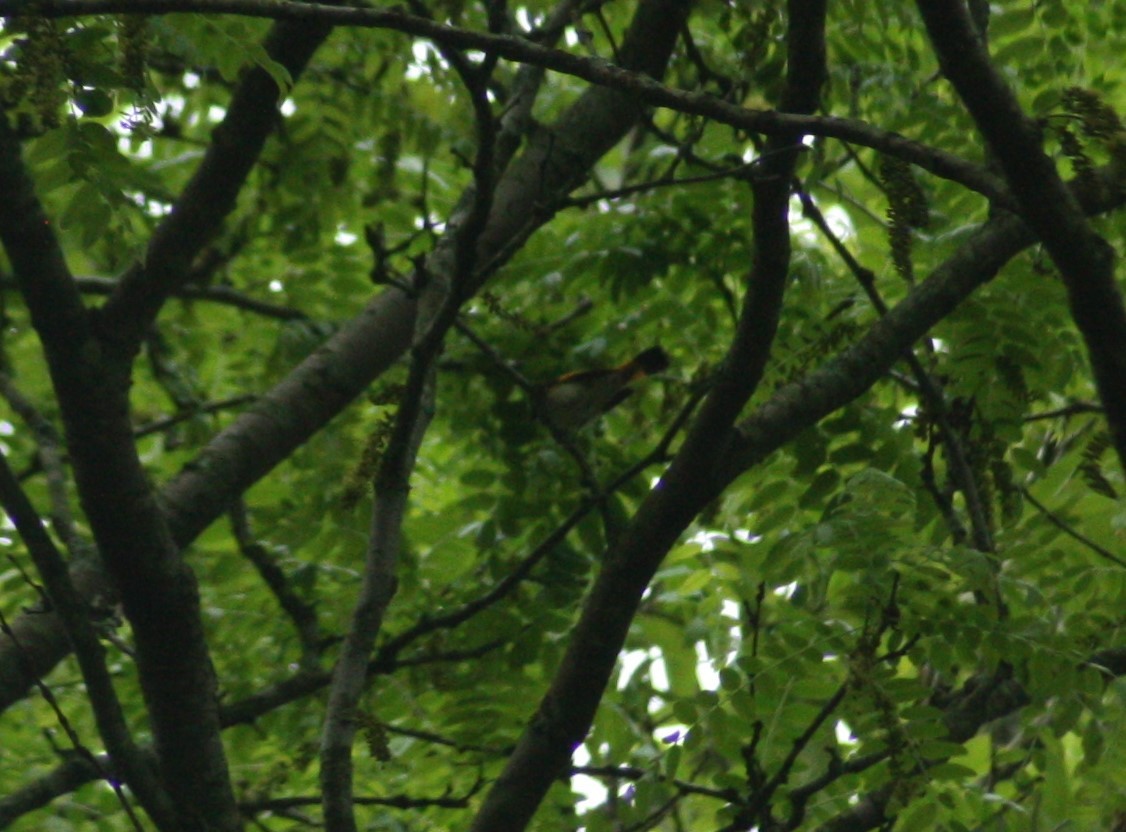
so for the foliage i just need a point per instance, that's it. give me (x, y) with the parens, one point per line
(906, 614)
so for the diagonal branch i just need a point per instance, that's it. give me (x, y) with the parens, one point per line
(634, 80)
(210, 195)
(567, 709)
(158, 590)
(798, 405)
(1085, 260)
(556, 160)
(1070, 531)
(443, 293)
(132, 766)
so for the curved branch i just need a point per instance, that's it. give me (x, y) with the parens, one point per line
(1085, 260)
(798, 405)
(642, 89)
(210, 195)
(567, 710)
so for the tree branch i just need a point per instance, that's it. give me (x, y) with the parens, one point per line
(443, 292)
(554, 162)
(642, 89)
(302, 613)
(567, 709)
(402, 801)
(931, 394)
(75, 771)
(191, 291)
(158, 591)
(800, 404)
(380, 581)
(50, 454)
(1085, 260)
(133, 767)
(210, 195)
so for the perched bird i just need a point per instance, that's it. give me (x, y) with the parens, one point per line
(574, 399)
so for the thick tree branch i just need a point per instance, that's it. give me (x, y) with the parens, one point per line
(963, 714)
(130, 764)
(567, 709)
(210, 195)
(1085, 260)
(285, 417)
(790, 410)
(556, 160)
(91, 372)
(43, 638)
(378, 587)
(158, 591)
(73, 772)
(329, 379)
(335, 374)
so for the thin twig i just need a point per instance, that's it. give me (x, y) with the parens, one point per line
(300, 612)
(72, 735)
(1073, 409)
(633, 773)
(516, 48)
(166, 422)
(1067, 529)
(738, 172)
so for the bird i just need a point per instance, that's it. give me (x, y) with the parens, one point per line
(574, 399)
